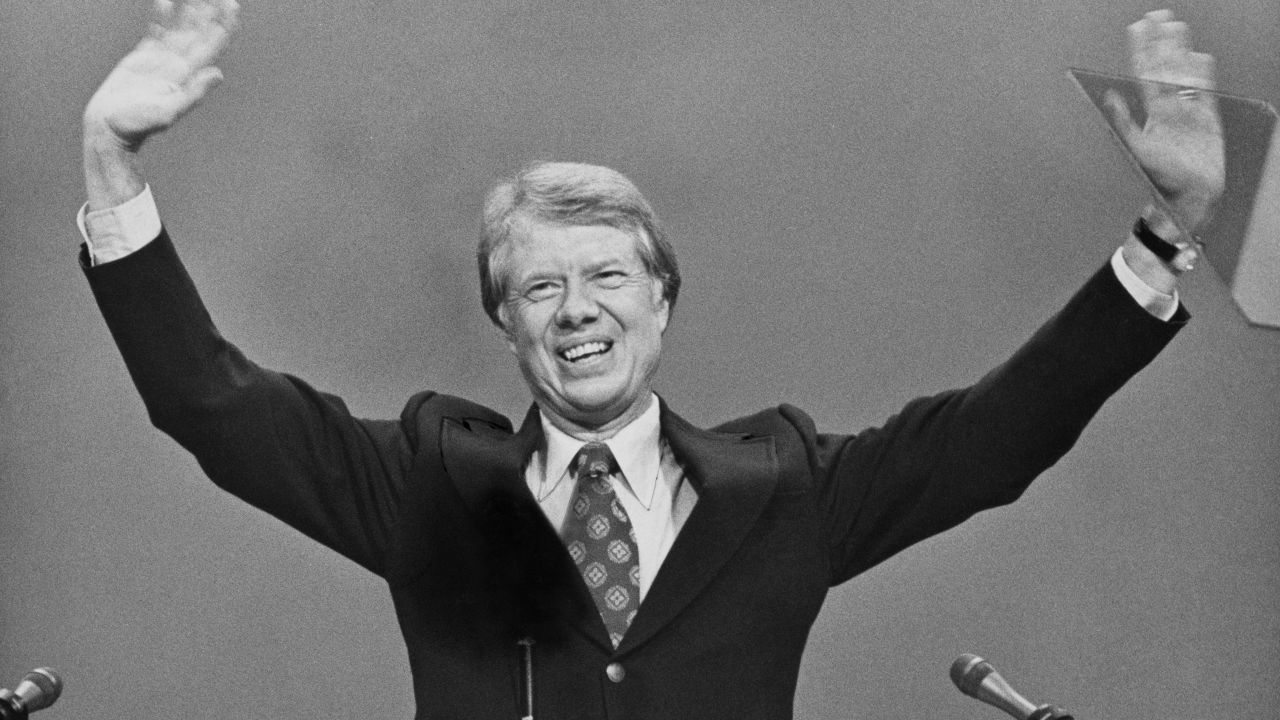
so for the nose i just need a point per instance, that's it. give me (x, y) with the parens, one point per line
(577, 306)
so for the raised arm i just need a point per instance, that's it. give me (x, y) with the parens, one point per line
(269, 438)
(948, 456)
(166, 75)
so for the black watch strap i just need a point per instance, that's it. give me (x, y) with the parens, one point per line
(1162, 248)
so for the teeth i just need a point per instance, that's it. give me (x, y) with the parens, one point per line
(579, 351)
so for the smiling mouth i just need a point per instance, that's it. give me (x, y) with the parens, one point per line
(585, 351)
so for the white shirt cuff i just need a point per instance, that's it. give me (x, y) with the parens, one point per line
(119, 231)
(1159, 304)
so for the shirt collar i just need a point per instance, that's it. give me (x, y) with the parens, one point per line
(636, 447)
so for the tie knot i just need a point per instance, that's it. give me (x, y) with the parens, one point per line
(594, 461)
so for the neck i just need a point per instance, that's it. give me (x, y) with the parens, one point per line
(588, 431)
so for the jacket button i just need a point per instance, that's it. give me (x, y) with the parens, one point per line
(616, 672)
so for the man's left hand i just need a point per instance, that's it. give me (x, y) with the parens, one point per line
(1180, 145)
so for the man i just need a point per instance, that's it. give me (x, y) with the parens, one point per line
(608, 559)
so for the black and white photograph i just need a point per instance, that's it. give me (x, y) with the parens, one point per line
(555, 360)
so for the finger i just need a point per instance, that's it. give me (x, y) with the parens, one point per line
(204, 81)
(1121, 118)
(161, 18)
(193, 19)
(228, 11)
(204, 48)
(1137, 34)
(202, 31)
(1201, 69)
(209, 53)
(195, 8)
(1169, 49)
(1171, 36)
(173, 106)
(1149, 23)
(1146, 38)
(1143, 36)
(162, 10)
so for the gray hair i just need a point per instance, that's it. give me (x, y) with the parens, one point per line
(564, 193)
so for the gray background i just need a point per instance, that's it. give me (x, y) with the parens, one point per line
(870, 201)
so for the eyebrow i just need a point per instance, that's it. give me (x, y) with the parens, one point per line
(602, 264)
(588, 269)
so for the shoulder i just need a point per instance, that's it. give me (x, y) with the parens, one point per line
(784, 421)
(795, 439)
(426, 411)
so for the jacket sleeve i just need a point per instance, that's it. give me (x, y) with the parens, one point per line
(946, 457)
(267, 437)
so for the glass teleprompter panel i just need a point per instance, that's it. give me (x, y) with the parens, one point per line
(1242, 238)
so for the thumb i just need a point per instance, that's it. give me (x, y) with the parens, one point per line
(190, 95)
(1121, 118)
(204, 80)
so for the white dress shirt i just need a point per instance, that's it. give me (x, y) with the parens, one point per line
(651, 485)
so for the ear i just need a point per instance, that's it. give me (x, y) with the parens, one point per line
(504, 329)
(661, 306)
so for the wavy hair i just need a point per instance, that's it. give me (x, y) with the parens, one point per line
(565, 193)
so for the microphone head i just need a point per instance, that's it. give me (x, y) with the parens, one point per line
(39, 689)
(968, 672)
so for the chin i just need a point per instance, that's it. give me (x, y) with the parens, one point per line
(594, 397)
(593, 409)
(598, 411)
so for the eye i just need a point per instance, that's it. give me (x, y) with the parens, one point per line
(541, 290)
(610, 279)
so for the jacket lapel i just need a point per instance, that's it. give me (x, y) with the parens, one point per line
(734, 477)
(528, 568)
(485, 461)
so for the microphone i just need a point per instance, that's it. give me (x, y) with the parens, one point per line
(976, 678)
(37, 691)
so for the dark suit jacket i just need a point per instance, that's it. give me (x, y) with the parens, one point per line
(436, 504)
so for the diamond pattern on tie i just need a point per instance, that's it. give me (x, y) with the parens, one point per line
(598, 527)
(595, 574)
(619, 551)
(617, 598)
(601, 540)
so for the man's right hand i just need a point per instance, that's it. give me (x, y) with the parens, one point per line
(158, 82)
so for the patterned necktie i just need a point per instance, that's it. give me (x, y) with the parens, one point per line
(601, 541)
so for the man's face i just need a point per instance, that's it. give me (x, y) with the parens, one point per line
(585, 320)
